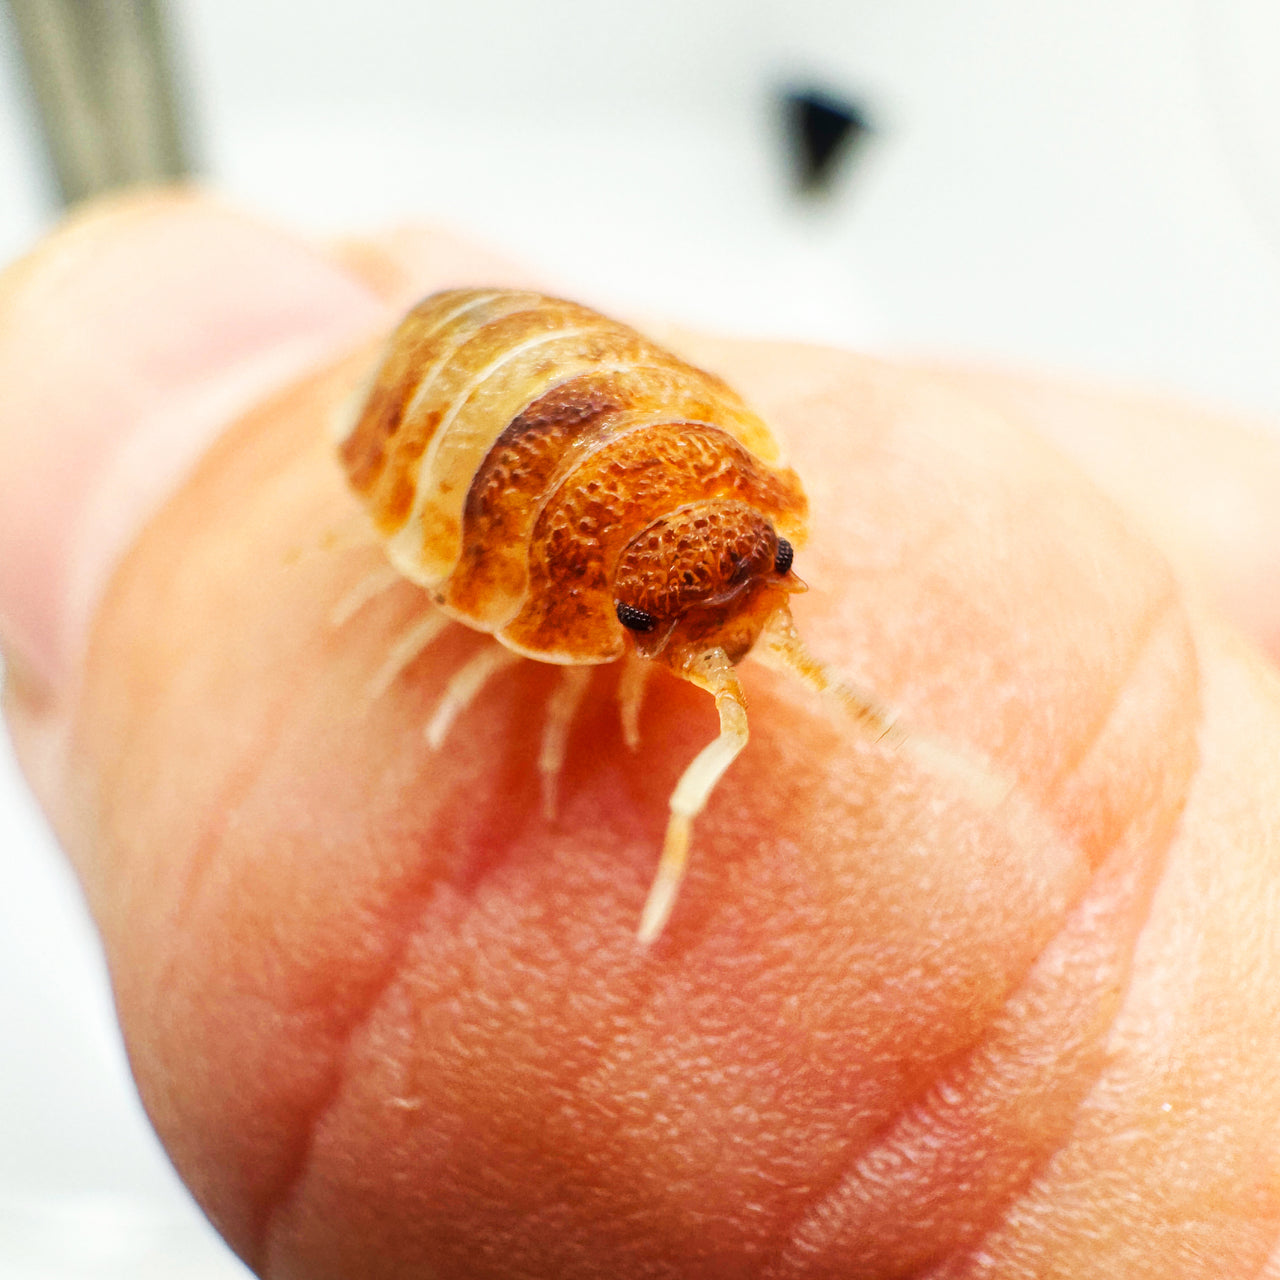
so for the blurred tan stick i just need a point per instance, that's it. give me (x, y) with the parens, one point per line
(102, 80)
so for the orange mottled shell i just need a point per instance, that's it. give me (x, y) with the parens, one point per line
(513, 446)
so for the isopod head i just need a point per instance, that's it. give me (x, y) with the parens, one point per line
(708, 575)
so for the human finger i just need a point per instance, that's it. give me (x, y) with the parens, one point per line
(387, 1018)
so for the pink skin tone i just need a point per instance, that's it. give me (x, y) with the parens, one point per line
(390, 1022)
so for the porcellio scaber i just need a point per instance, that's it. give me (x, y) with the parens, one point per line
(554, 479)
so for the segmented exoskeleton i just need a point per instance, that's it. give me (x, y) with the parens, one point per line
(556, 480)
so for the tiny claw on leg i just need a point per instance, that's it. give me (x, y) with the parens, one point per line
(463, 686)
(631, 686)
(561, 710)
(716, 675)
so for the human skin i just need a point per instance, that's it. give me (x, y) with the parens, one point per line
(390, 1022)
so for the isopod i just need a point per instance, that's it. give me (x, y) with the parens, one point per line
(554, 479)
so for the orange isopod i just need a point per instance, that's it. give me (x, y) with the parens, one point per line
(554, 479)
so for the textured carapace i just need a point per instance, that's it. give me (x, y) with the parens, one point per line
(535, 465)
(558, 481)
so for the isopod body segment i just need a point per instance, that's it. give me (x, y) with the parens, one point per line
(534, 465)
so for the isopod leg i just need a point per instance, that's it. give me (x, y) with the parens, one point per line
(374, 583)
(631, 686)
(464, 685)
(405, 650)
(714, 673)
(562, 707)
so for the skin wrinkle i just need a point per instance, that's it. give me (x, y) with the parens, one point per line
(1156, 613)
(777, 1264)
(426, 924)
(999, 1213)
(276, 1204)
(956, 1266)
(1143, 1212)
(206, 850)
(222, 809)
(268, 738)
(420, 911)
(1025, 1179)
(226, 804)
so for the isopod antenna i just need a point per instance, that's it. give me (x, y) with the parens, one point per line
(982, 782)
(781, 648)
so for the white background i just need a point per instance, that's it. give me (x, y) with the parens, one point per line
(1089, 185)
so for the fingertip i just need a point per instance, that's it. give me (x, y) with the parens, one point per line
(128, 339)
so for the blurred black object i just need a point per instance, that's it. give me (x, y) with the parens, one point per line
(824, 132)
(102, 80)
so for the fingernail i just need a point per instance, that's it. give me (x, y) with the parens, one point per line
(128, 341)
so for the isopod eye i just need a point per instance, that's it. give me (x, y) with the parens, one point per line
(786, 554)
(635, 619)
